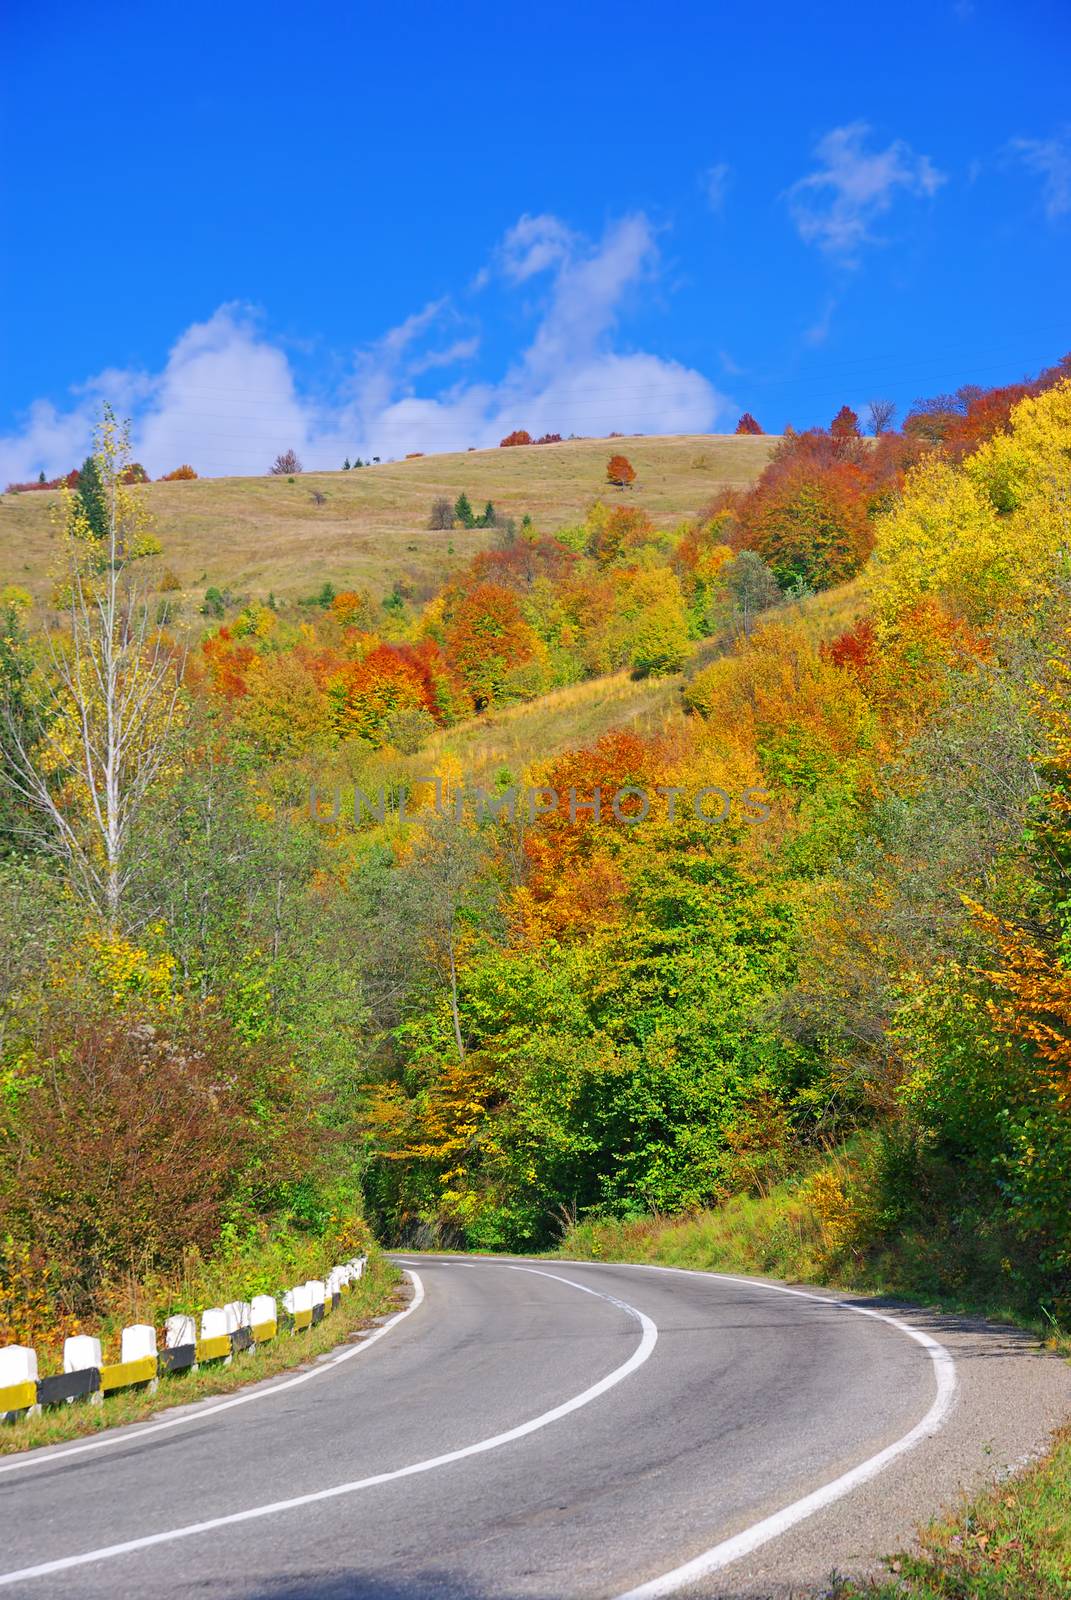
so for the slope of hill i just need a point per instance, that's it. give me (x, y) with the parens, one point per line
(256, 535)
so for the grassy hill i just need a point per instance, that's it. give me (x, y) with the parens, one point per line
(255, 535)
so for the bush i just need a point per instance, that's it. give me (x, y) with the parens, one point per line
(130, 1145)
(180, 474)
(518, 436)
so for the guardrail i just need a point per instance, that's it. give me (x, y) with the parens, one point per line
(225, 1331)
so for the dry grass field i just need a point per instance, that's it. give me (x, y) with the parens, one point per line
(261, 535)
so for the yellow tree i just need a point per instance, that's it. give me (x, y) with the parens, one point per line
(107, 691)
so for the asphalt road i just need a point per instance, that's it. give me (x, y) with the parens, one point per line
(547, 1430)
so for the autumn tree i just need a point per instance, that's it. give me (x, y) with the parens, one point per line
(179, 475)
(747, 424)
(488, 640)
(845, 424)
(518, 436)
(286, 465)
(109, 697)
(620, 472)
(808, 525)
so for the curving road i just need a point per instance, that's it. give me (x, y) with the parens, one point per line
(551, 1430)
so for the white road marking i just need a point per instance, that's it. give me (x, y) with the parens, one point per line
(760, 1533)
(648, 1340)
(134, 1433)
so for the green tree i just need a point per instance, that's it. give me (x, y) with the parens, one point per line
(463, 510)
(92, 498)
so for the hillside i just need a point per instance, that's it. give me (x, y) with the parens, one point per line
(255, 535)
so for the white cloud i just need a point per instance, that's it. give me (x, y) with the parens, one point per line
(228, 398)
(835, 206)
(533, 244)
(715, 181)
(1050, 160)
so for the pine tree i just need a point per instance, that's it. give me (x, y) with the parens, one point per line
(346, 464)
(488, 518)
(91, 493)
(463, 511)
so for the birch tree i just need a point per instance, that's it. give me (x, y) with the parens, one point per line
(108, 697)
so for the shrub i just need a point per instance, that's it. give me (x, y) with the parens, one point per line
(620, 472)
(180, 474)
(518, 436)
(285, 464)
(747, 424)
(169, 581)
(549, 438)
(130, 1145)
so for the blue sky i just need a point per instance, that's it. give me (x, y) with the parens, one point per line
(358, 229)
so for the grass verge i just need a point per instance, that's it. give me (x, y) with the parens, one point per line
(375, 1293)
(1013, 1543)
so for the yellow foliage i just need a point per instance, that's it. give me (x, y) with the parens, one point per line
(130, 971)
(985, 538)
(779, 679)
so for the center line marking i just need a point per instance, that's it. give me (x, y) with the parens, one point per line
(642, 1352)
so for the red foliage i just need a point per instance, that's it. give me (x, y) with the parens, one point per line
(620, 472)
(960, 422)
(227, 660)
(486, 637)
(845, 424)
(365, 694)
(133, 1146)
(855, 650)
(134, 473)
(747, 424)
(549, 438)
(519, 566)
(70, 479)
(571, 878)
(807, 521)
(518, 436)
(179, 475)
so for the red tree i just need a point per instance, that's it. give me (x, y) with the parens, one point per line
(620, 472)
(845, 424)
(518, 436)
(747, 424)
